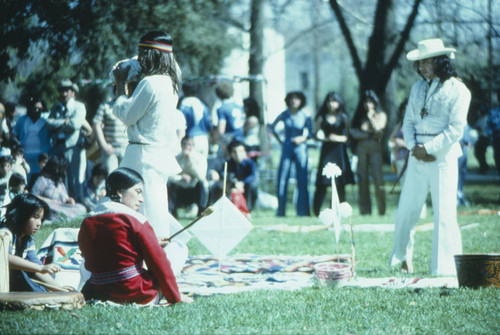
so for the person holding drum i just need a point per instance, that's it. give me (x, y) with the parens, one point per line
(148, 115)
(23, 218)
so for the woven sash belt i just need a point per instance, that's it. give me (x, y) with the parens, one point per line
(429, 135)
(116, 276)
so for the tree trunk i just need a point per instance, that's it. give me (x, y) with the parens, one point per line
(316, 58)
(384, 50)
(256, 61)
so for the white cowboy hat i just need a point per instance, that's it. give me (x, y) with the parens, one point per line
(430, 48)
(67, 83)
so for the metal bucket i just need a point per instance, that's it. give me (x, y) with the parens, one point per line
(478, 270)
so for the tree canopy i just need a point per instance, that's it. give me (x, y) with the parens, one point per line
(43, 41)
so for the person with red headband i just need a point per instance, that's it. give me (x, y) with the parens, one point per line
(148, 115)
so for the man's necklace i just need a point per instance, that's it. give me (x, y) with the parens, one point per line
(425, 109)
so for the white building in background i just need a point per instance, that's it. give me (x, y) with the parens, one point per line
(236, 66)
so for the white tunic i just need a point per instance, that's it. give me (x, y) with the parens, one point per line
(447, 105)
(150, 115)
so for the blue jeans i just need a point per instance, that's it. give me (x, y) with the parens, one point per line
(293, 154)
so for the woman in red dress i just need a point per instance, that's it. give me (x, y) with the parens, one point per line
(116, 240)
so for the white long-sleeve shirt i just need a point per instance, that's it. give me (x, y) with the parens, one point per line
(447, 106)
(151, 119)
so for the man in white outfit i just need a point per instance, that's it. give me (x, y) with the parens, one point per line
(433, 124)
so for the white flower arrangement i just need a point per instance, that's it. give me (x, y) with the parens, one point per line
(329, 217)
(345, 210)
(339, 210)
(332, 216)
(331, 170)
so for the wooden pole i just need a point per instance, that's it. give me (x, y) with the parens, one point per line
(222, 209)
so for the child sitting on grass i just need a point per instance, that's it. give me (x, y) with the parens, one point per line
(43, 158)
(5, 173)
(19, 164)
(24, 216)
(94, 188)
(49, 187)
(17, 185)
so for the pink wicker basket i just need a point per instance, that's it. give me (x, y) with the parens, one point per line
(333, 274)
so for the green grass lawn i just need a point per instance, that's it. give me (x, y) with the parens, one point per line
(314, 310)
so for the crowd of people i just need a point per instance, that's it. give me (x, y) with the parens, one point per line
(42, 152)
(159, 153)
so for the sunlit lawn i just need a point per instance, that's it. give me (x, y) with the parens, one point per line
(312, 310)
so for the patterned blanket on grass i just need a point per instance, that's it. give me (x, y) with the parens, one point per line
(203, 275)
(61, 247)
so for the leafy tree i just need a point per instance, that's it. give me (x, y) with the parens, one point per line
(52, 39)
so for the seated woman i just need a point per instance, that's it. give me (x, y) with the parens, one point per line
(49, 186)
(24, 216)
(115, 240)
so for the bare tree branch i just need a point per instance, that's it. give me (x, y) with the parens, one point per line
(284, 6)
(348, 37)
(404, 36)
(235, 23)
(297, 36)
(354, 15)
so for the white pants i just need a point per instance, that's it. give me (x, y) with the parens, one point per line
(442, 178)
(399, 166)
(155, 206)
(154, 164)
(177, 253)
(112, 161)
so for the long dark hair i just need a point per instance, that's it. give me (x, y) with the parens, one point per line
(443, 68)
(33, 113)
(330, 96)
(361, 112)
(251, 107)
(55, 169)
(121, 179)
(20, 209)
(402, 109)
(154, 61)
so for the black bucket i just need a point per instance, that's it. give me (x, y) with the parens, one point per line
(478, 270)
